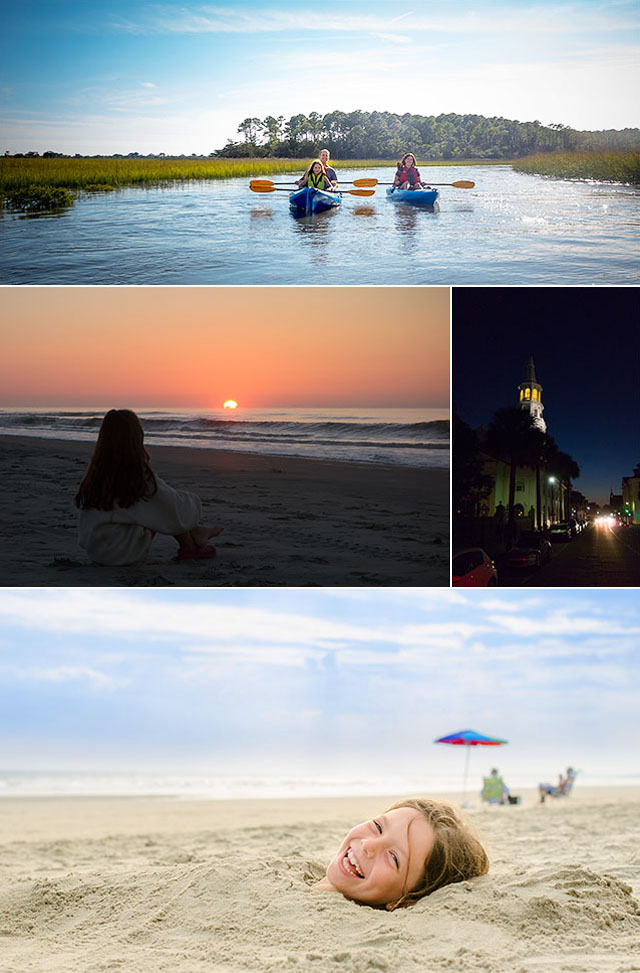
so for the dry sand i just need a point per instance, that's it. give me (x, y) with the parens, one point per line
(153, 884)
(287, 521)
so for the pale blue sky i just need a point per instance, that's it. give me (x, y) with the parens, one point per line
(85, 76)
(336, 681)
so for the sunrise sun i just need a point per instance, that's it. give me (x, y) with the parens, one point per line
(230, 404)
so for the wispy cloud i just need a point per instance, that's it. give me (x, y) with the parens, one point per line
(60, 674)
(537, 18)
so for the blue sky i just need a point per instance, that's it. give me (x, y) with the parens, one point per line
(335, 681)
(118, 77)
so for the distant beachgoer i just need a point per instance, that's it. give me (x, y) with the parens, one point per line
(407, 175)
(561, 789)
(414, 848)
(494, 789)
(315, 177)
(123, 504)
(330, 172)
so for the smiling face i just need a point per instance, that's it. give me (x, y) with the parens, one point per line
(324, 156)
(381, 859)
(408, 161)
(316, 168)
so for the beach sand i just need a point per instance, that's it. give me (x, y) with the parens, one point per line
(287, 521)
(159, 884)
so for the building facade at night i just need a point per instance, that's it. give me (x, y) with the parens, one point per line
(631, 495)
(552, 492)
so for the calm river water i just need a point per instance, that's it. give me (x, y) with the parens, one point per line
(510, 229)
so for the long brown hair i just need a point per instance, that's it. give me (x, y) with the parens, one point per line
(456, 856)
(119, 471)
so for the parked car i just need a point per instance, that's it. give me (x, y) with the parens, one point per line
(531, 550)
(474, 569)
(561, 532)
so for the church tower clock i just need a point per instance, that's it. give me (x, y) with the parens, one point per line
(530, 393)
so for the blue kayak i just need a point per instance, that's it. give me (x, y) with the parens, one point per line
(416, 197)
(306, 201)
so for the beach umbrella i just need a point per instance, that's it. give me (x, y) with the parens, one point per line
(468, 739)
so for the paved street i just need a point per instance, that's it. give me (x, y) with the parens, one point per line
(600, 557)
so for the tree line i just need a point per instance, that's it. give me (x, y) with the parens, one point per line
(385, 135)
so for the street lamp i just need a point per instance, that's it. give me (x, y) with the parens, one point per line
(552, 480)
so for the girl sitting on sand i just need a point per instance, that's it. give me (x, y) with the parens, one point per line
(407, 175)
(315, 177)
(123, 504)
(414, 848)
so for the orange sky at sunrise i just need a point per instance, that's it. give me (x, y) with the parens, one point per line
(198, 346)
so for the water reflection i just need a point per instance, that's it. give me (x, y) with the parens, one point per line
(408, 219)
(315, 231)
(261, 214)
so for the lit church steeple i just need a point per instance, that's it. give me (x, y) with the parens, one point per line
(530, 397)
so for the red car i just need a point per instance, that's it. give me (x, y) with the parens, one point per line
(474, 569)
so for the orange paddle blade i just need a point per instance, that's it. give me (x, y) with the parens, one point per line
(365, 182)
(463, 184)
(360, 192)
(260, 188)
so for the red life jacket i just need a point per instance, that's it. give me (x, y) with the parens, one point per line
(410, 175)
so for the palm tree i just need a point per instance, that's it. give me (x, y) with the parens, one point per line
(512, 437)
(566, 469)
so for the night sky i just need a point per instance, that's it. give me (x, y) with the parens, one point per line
(586, 347)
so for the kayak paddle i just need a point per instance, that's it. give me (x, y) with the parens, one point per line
(275, 189)
(353, 182)
(461, 184)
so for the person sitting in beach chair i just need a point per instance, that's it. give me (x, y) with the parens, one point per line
(494, 789)
(414, 848)
(562, 789)
(407, 175)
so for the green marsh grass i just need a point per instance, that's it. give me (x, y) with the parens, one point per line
(621, 167)
(32, 177)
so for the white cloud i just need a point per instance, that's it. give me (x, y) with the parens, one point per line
(534, 19)
(61, 674)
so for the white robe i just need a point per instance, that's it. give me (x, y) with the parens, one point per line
(123, 535)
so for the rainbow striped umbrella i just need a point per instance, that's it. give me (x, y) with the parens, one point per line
(468, 739)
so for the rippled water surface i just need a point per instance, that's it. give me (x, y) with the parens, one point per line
(510, 229)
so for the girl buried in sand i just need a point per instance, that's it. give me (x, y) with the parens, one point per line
(414, 848)
(123, 504)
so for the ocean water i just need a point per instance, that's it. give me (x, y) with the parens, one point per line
(402, 437)
(216, 787)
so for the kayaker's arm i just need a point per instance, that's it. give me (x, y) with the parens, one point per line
(302, 181)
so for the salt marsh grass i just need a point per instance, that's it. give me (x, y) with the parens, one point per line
(109, 172)
(22, 180)
(621, 167)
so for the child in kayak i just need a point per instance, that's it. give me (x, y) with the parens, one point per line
(123, 504)
(407, 175)
(315, 177)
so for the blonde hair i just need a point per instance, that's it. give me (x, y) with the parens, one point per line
(456, 856)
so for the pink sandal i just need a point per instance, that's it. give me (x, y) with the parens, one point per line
(197, 552)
